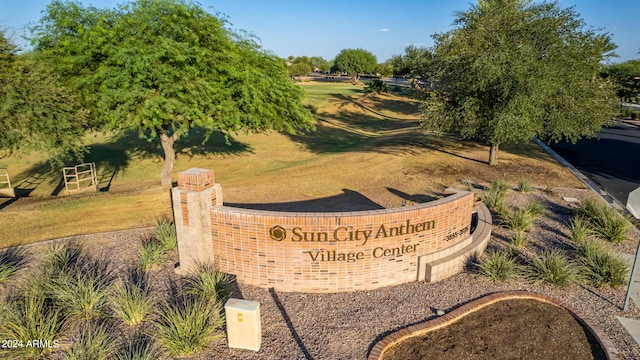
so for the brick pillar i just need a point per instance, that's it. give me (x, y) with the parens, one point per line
(192, 199)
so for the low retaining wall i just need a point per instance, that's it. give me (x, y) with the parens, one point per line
(325, 252)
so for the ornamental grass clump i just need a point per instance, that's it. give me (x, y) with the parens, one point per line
(606, 222)
(498, 265)
(152, 252)
(494, 196)
(468, 184)
(132, 300)
(63, 257)
(516, 219)
(184, 325)
(139, 347)
(535, 208)
(551, 267)
(165, 232)
(82, 292)
(208, 283)
(11, 260)
(518, 239)
(581, 230)
(600, 266)
(520, 220)
(29, 315)
(524, 185)
(94, 340)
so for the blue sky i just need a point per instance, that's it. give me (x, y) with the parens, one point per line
(384, 27)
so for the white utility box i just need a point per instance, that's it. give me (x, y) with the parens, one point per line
(243, 324)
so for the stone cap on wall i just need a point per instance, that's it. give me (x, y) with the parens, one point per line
(195, 179)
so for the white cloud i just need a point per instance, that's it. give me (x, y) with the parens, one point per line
(383, 30)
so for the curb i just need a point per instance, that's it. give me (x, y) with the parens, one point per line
(590, 183)
(582, 177)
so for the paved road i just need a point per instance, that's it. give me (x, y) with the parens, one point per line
(612, 159)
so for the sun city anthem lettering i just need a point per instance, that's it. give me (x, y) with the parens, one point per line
(349, 233)
(357, 236)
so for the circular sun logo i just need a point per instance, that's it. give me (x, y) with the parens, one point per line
(278, 233)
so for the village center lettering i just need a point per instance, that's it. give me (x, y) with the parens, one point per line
(358, 236)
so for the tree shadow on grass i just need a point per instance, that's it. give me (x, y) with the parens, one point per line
(349, 200)
(408, 199)
(116, 156)
(379, 102)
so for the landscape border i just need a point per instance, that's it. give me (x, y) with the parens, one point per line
(382, 345)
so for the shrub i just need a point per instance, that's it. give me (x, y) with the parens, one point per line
(151, 253)
(493, 197)
(208, 283)
(551, 267)
(11, 260)
(498, 265)
(606, 222)
(600, 265)
(95, 340)
(165, 232)
(524, 185)
(184, 325)
(377, 86)
(132, 301)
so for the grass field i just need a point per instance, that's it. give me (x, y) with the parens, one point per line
(366, 147)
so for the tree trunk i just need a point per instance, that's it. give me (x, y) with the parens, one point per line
(493, 154)
(169, 158)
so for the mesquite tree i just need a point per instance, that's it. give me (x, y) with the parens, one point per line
(511, 70)
(355, 62)
(36, 111)
(163, 67)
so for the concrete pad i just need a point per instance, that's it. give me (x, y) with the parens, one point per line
(570, 199)
(632, 326)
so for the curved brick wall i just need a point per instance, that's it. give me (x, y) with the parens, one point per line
(319, 252)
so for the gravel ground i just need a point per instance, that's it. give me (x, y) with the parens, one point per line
(346, 325)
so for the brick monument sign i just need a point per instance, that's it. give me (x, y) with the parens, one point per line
(328, 251)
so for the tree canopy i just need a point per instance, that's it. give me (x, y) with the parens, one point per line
(626, 76)
(416, 63)
(355, 62)
(511, 70)
(163, 67)
(36, 111)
